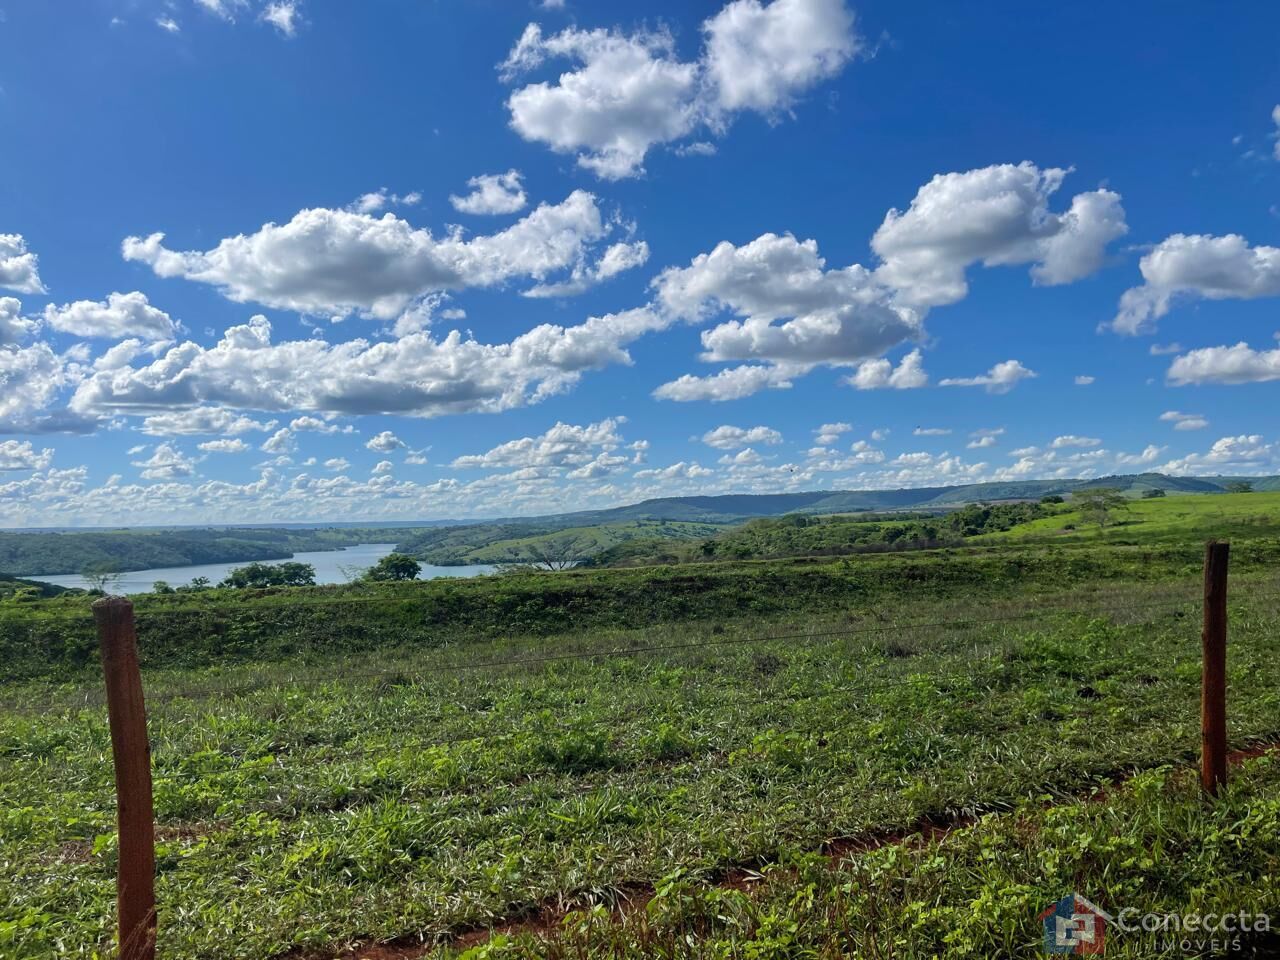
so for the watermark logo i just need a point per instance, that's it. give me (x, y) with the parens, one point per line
(1074, 925)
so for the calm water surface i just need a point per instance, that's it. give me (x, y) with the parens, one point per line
(332, 566)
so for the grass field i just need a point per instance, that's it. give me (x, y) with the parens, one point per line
(637, 734)
(1223, 515)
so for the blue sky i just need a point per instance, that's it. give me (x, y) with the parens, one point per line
(306, 261)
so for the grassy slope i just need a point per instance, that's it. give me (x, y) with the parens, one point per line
(1183, 517)
(55, 638)
(306, 814)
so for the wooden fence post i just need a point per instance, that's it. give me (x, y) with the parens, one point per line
(1213, 689)
(135, 879)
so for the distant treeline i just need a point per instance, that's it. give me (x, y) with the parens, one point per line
(799, 535)
(35, 554)
(515, 542)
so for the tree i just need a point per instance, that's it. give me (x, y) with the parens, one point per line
(1154, 493)
(394, 566)
(1239, 486)
(1098, 504)
(272, 575)
(101, 577)
(553, 553)
(162, 586)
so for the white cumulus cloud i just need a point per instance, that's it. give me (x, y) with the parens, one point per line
(997, 216)
(224, 445)
(1001, 378)
(1197, 266)
(19, 267)
(336, 262)
(563, 445)
(20, 455)
(1072, 440)
(629, 92)
(15, 328)
(1230, 365)
(120, 315)
(166, 463)
(729, 437)
(385, 442)
(1184, 421)
(732, 383)
(492, 193)
(416, 375)
(881, 374)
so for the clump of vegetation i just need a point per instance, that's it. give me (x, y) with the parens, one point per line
(803, 535)
(394, 567)
(1099, 505)
(261, 575)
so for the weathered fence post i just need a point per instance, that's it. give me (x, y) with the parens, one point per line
(135, 879)
(1213, 689)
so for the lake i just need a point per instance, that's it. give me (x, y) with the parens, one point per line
(329, 566)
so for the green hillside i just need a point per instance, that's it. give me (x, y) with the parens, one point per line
(513, 543)
(37, 553)
(1223, 515)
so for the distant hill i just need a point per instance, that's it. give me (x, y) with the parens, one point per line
(483, 541)
(35, 553)
(733, 508)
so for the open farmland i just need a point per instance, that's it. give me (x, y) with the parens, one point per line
(418, 762)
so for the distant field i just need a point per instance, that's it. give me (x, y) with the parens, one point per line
(1219, 514)
(351, 764)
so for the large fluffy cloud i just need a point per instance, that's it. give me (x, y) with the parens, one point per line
(19, 267)
(416, 375)
(761, 56)
(796, 312)
(631, 92)
(120, 315)
(1247, 452)
(835, 315)
(31, 380)
(996, 216)
(563, 445)
(1215, 268)
(335, 262)
(1232, 365)
(20, 455)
